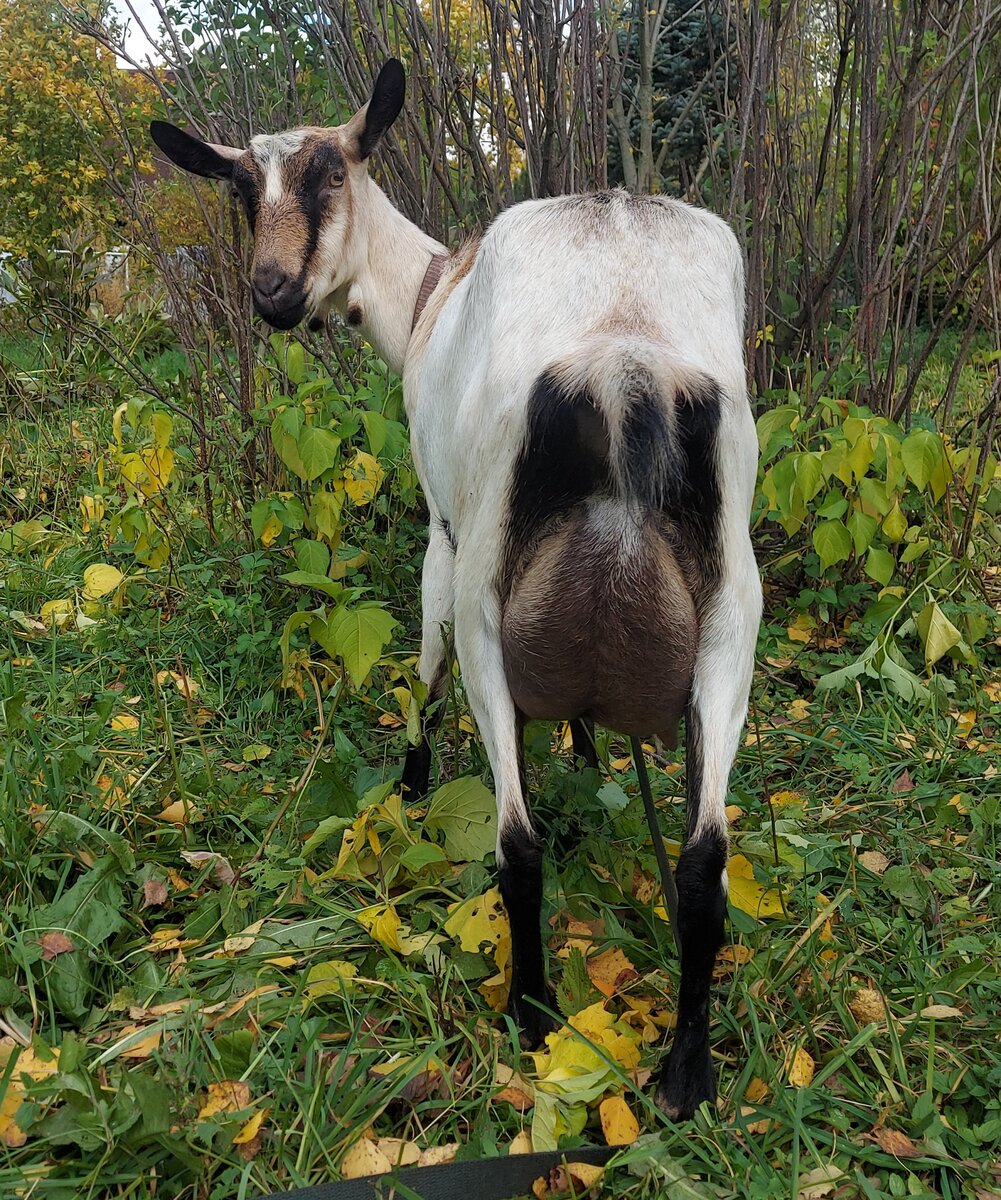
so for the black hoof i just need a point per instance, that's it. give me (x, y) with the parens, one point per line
(687, 1079)
(533, 1024)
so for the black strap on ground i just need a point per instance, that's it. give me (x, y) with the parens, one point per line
(666, 874)
(506, 1178)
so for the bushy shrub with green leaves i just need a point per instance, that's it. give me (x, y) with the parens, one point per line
(907, 514)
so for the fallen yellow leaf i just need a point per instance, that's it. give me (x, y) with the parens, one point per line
(618, 1124)
(747, 894)
(99, 579)
(251, 1129)
(607, 969)
(181, 680)
(332, 978)
(125, 723)
(436, 1156)
(180, 812)
(521, 1143)
(57, 613)
(383, 923)
(799, 1068)
(140, 1047)
(399, 1152)
(941, 1012)
(364, 1158)
(230, 1095)
(785, 798)
(964, 721)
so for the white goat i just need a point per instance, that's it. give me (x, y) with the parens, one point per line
(575, 389)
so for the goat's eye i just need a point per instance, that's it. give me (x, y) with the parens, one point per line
(336, 179)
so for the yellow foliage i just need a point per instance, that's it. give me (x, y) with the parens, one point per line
(56, 127)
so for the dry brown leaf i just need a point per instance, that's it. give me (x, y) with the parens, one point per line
(221, 869)
(514, 1096)
(892, 1141)
(609, 970)
(874, 860)
(618, 1124)
(819, 1183)
(435, 1156)
(154, 893)
(867, 1006)
(941, 1012)
(142, 1047)
(903, 783)
(54, 944)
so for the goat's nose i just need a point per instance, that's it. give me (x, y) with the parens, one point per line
(269, 281)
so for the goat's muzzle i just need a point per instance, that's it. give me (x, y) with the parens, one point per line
(278, 297)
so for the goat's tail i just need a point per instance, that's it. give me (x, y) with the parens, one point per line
(649, 400)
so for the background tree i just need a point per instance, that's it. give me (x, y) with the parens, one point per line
(672, 71)
(59, 90)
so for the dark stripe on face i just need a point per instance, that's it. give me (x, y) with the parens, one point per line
(313, 193)
(247, 188)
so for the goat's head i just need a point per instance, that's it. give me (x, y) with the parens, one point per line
(298, 189)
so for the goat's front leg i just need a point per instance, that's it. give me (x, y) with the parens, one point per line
(713, 725)
(437, 605)
(519, 852)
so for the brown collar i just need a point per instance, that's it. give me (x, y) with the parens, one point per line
(429, 283)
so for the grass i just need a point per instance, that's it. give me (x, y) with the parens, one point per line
(166, 936)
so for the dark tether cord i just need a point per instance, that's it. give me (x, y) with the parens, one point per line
(666, 874)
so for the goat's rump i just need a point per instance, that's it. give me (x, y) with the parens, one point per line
(611, 538)
(600, 623)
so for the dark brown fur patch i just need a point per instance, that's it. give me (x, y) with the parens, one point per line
(592, 630)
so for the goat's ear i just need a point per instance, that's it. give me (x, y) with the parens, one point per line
(191, 153)
(369, 124)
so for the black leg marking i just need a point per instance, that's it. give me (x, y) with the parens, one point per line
(584, 749)
(416, 778)
(520, 877)
(688, 1077)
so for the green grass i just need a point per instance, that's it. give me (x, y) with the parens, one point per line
(408, 1047)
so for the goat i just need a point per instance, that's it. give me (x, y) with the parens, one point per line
(575, 388)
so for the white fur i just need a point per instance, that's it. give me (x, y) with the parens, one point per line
(271, 151)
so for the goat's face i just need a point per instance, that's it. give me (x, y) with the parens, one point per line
(301, 191)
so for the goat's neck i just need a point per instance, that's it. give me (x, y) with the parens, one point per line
(393, 260)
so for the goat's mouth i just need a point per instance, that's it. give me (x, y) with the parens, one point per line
(286, 317)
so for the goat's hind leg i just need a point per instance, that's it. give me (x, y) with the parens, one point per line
(437, 606)
(519, 852)
(713, 722)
